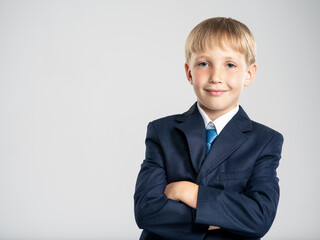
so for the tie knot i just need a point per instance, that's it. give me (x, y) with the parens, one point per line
(210, 125)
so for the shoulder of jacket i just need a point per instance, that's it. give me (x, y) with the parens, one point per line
(265, 130)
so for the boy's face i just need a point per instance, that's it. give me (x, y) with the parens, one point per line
(218, 76)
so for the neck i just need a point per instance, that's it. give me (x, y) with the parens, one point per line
(213, 114)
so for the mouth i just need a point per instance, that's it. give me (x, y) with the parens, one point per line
(215, 92)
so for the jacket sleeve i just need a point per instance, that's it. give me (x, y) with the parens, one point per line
(252, 212)
(154, 212)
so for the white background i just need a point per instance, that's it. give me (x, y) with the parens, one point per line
(80, 80)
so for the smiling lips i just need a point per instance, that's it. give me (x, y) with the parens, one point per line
(216, 92)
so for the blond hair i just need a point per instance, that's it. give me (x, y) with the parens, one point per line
(223, 31)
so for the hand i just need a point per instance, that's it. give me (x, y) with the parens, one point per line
(213, 228)
(184, 191)
(172, 191)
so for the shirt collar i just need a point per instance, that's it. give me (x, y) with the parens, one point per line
(220, 122)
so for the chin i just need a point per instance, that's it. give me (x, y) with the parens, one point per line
(214, 107)
(219, 107)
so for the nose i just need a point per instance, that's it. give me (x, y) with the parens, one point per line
(215, 76)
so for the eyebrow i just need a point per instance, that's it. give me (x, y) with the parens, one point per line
(232, 58)
(225, 58)
(200, 56)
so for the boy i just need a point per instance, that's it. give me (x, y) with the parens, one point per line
(210, 173)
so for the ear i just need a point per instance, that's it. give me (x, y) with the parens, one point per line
(188, 73)
(250, 75)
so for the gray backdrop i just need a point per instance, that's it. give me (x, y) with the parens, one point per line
(75, 76)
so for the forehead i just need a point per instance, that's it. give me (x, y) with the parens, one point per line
(219, 50)
(222, 40)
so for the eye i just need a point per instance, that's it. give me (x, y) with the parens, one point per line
(203, 64)
(230, 65)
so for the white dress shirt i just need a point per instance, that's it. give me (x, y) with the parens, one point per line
(220, 122)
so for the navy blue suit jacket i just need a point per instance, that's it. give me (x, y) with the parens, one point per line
(238, 184)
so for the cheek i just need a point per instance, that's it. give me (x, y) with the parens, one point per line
(196, 87)
(198, 76)
(236, 81)
(198, 80)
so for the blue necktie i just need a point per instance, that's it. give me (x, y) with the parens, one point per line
(211, 136)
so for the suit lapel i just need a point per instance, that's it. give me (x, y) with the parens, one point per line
(192, 126)
(229, 140)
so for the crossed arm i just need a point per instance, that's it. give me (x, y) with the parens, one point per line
(185, 210)
(156, 212)
(186, 192)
